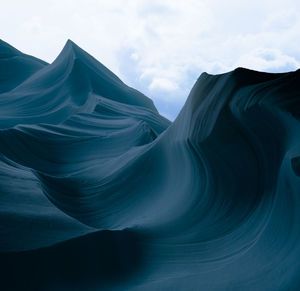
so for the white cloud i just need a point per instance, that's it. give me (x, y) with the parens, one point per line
(163, 84)
(134, 56)
(268, 59)
(169, 42)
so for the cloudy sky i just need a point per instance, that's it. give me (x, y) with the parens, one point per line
(161, 47)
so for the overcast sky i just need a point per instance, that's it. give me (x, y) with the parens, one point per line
(161, 47)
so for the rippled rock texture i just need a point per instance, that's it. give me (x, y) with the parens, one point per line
(100, 192)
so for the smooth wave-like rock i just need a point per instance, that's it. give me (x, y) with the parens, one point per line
(100, 192)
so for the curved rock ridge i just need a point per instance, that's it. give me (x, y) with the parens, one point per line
(100, 192)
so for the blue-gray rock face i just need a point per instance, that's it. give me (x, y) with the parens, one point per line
(100, 192)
